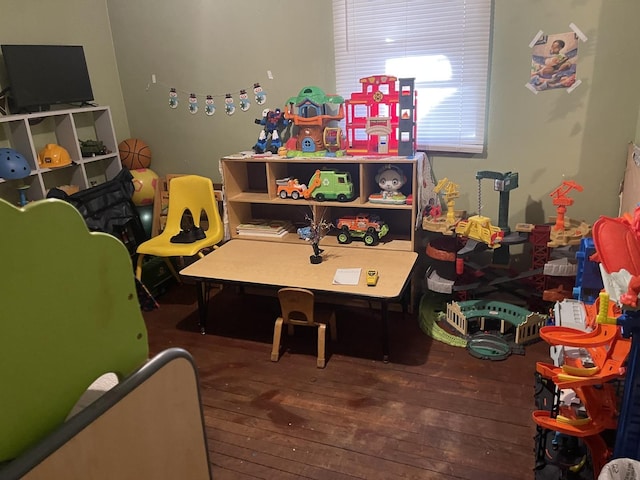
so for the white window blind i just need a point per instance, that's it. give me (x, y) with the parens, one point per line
(443, 44)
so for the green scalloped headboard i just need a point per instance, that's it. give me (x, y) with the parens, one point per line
(68, 314)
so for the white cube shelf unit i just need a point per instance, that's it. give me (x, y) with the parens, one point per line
(29, 133)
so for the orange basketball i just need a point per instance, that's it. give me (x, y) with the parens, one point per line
(134, 153)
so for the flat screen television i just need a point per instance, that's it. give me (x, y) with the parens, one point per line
(45, 75)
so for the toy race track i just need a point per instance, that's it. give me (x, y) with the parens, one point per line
(527, 324)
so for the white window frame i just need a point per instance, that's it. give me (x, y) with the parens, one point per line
(443, 44)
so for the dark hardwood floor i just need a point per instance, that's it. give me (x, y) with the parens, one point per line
(432, 412)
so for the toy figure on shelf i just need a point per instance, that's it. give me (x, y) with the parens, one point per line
(390, 179)
(274, 124)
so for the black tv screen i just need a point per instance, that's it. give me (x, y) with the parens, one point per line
(45, 75)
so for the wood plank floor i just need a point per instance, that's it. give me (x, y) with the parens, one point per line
(432, 412)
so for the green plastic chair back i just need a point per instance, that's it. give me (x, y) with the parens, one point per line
(69, 313)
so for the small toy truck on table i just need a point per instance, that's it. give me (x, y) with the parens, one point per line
(367, 227)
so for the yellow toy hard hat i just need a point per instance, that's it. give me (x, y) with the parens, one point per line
(53, 156)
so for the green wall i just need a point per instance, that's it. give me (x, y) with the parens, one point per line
(554, 136)
(216, 47)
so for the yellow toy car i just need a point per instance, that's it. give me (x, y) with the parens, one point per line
(372, 278)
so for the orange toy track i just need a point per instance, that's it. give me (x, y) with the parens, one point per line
(600, 452)
(608, 351)
(601, 407)
(605, 345)
(601, 336)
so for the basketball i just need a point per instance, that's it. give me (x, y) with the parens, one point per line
(145, 182)
(134, 153)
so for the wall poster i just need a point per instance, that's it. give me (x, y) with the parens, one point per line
(554, 61)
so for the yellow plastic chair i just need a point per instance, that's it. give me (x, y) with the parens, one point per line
(298, 308)
(190, 194)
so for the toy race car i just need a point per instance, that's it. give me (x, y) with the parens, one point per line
(372, 277)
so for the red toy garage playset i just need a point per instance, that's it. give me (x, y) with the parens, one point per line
(381, 120)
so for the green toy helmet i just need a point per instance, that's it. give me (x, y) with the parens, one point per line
(13, 165)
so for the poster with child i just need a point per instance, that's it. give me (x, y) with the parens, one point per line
(554, 61)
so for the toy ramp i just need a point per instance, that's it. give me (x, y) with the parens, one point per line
(573, 428)
(617, 245)
(602, 335)
(606, 347)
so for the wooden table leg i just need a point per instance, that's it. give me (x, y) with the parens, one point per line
(202, 306)
(384, 313)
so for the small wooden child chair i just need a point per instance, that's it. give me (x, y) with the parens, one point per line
(298, 308)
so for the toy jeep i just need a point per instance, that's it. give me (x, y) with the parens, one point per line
(369, 228)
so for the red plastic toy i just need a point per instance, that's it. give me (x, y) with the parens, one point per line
(381, 117)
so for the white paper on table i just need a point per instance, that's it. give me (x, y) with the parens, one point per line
(347, 276)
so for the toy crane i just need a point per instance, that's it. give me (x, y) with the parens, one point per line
(562, 201)
(450, 192)
(479, 228)
(503, 183)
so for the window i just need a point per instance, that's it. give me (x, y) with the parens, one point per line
(442, 44)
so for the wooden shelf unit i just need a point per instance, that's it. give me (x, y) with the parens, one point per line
(249, 186)
(29, 133)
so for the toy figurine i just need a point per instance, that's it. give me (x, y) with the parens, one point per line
(274, 124)
(390, 179)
